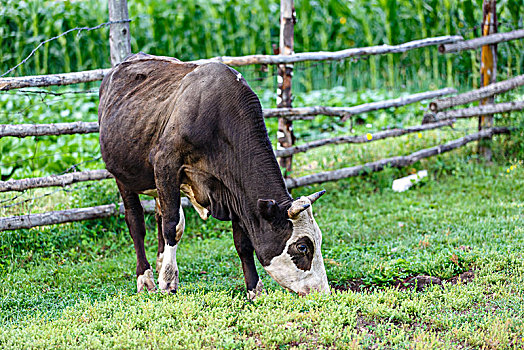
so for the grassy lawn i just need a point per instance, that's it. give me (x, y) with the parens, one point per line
(73, 286)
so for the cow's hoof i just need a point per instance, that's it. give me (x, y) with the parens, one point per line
(254, 293)
(168, 279)
(146, 282)
(159, 260)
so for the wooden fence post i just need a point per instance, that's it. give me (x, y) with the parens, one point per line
(119, 42)
(285, 72)
(488, 71)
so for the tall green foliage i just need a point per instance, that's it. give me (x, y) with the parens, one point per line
(192, 29)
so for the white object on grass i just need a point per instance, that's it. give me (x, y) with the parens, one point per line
(404, 183)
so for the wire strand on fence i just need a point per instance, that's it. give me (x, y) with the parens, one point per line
(49, 92)
(79, 29)
(75, 166)
(67, 189)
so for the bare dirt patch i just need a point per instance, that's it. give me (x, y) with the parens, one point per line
(418, 282)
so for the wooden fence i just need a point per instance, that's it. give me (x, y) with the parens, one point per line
(437, 117)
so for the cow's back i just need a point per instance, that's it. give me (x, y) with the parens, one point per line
(136, 99)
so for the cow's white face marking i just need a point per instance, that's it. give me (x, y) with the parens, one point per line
(284, 269)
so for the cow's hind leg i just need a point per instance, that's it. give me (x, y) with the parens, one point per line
(245, 252)
(134, 214)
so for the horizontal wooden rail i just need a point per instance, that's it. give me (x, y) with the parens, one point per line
(54, 180)
(52, 79)
(479, 42)
(98, 74)
(474, 111)
(308, 112)
(479, 94)
(361, 138)
(397, 162)
(72, 215)
(24, 130)
(332, 56)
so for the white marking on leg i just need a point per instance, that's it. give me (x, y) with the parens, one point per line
(145, 281)
(253, 294)
(168, 276)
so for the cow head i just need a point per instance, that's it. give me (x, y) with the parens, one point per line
(299, 266)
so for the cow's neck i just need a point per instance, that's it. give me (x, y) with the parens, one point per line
(266, 186)
(258, 178)
(254, 174)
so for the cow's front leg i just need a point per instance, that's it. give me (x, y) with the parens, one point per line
(134, 215)
(245, 252)
(168, 188)
(168, 276)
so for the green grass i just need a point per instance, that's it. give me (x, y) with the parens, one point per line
(73, 286)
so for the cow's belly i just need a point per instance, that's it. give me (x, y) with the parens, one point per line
(134, 177)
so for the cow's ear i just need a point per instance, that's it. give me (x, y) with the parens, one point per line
(268, 208)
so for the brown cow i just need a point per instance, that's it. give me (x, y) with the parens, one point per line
(168, 126)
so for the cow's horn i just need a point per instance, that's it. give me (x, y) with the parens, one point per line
(313, 197)
(296, 209)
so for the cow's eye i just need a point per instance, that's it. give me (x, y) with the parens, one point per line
(302, 248)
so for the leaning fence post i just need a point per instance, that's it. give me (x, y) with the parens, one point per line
(285, 72)
(488, 70)
(119, 42)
